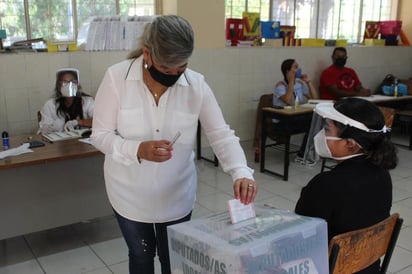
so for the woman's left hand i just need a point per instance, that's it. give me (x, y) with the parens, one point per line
(245, 190)
(305, 78)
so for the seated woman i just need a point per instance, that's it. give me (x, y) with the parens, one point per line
(357, 192)
(70, 108)
(295, 88)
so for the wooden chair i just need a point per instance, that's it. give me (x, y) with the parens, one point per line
(280, 139)
(388, 114)
(356, 250)
(266, 100)
(404, 119)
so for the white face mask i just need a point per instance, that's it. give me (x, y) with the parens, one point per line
(322, 149)
(68, 89)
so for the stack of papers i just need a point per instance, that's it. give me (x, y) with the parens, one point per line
(112, 33)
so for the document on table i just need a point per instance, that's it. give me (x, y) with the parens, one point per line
(240, 212)
(66, 135)
(86, 141)
(24, 148)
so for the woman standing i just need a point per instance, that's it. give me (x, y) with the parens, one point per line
(141, 104)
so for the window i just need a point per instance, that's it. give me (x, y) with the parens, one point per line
(234, 8)
(328, 19)
(59, 20)
(12, 21)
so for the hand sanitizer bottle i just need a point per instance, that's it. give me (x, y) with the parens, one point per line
(5, 137)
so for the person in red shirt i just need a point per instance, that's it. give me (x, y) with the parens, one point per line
(338, 81)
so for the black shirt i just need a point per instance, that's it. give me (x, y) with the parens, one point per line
(354, 195)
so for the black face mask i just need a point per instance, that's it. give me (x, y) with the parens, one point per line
(167, 80)
(340, 62)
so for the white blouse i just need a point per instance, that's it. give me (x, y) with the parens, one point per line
(49, 116)
(126, 114)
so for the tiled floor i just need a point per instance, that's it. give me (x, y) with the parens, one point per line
(96, 246)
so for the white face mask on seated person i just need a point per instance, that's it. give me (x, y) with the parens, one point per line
(322, 148)
(325, 111)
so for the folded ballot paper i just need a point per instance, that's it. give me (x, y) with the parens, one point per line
(240, 212)
(24, 148)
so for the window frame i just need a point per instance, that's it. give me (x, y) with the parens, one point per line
(356, 36)
(157, 4)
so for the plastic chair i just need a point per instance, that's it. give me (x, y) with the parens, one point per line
(356, 250)
(388, 114)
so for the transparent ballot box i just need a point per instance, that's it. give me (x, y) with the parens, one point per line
(276, 241)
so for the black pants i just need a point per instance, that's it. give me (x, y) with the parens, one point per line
(143, 239)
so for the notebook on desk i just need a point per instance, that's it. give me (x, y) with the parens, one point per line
(66, 135)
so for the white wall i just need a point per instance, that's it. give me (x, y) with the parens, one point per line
(238, 77)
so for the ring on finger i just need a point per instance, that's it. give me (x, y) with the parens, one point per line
(250, 186)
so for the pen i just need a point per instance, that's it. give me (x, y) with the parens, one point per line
(47, 140)
(175, 139)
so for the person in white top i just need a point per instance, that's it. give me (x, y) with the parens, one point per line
(141, 104)
(70, 108)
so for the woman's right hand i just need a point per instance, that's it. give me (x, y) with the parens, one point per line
(290, 75)
(155, 151)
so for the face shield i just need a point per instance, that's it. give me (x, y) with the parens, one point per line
(68, 89)
(323, 115)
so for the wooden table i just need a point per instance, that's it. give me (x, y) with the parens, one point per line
(280, 114)
(389, 101)
(55, 185)
(402, 106)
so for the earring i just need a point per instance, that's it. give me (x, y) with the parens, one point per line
(145, 65)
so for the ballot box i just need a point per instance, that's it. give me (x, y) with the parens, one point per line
(276, 241)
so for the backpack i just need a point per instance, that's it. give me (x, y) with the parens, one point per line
(389, 80)
(387, 86)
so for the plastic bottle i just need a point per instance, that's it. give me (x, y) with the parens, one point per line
(5, 137)
(395, 87)
(296, 102)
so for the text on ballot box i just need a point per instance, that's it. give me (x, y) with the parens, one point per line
(276, 241)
